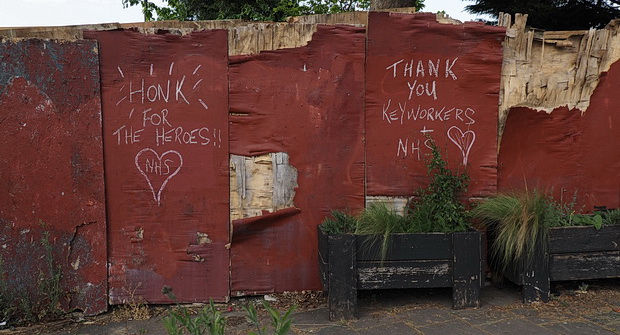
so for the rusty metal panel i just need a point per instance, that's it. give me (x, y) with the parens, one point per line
(566, 152)
(425, 78)
(306, 102)
(165, 113)
(51, 171)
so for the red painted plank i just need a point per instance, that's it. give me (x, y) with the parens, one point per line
(427, 78)
(567, 151)
(51, 171)
(165, 113)
(308, 102)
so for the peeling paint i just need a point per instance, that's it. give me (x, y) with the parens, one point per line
(202, 238)
(76, 265)
(285, 181)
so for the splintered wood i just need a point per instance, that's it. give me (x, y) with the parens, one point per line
(544, 70)
(244, 38)
(259, 184)
(252, 38)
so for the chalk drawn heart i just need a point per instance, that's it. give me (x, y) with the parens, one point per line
(463, 140)
(158, 169)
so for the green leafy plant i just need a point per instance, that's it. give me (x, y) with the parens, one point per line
(339, 223)
(281, 323)
(595, 220)
(209, 319)
(37, 301)
(583, 287)
(6, 307)
(570, 216)
(437, 208)
(516, 220)
(611, 217)
(49, 280)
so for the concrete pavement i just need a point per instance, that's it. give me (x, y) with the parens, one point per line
(595, 310)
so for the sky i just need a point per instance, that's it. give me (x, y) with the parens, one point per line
(28, 13)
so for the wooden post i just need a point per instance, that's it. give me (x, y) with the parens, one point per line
(466, 269)
(536, 283)
(342, 297)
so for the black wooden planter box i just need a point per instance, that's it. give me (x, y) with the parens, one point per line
(571, 253)
(351, 262)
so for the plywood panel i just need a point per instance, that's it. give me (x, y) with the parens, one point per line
(306, 102)
(165, 113)
(429, 79)
(51, 171)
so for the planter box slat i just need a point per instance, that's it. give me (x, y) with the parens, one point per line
(403, 274)
(585, 266)
(430, 246)
(584, 239)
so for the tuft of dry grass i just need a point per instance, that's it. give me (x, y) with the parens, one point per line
(134, 307)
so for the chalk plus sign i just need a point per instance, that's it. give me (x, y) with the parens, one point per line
(424, 131)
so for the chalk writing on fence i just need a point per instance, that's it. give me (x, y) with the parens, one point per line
(149, 104)
(158, 169)
(418, 105)
(463, 140)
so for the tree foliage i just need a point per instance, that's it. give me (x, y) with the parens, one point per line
(254, 10)
(553, 14)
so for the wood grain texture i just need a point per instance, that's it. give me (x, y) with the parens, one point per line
(427, 246)
(403, 274)
(584, 239)
(586, 265)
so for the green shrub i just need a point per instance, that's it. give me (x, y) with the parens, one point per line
(339, 223)
(611, 217)
(437, 208)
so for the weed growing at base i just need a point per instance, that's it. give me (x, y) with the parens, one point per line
(20, 306)
(209, 320)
